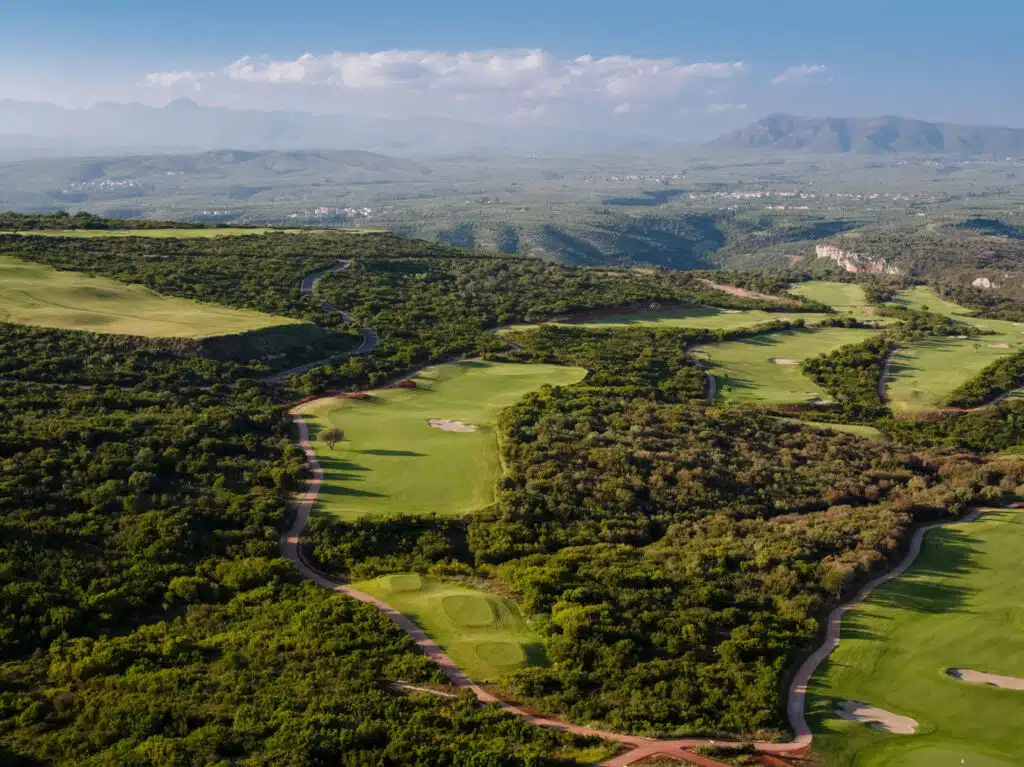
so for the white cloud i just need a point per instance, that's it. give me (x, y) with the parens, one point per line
(800, 74)
(484, 85)
(532, 74)
(714, 109)
(171, 79)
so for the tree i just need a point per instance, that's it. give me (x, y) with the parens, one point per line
(333, 436)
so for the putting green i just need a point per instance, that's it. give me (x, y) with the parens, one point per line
(924, 373)
(746, 369)
(394, 462)
(483, 633)
(33, 294)
(957, 607)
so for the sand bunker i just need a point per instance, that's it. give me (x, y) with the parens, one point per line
(877, 718)
(979, 677)
(960, 338)
(998, 346)
(446, 424)
(783, 361)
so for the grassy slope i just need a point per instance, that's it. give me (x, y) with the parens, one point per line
(745, 370)
(959, 606)
(924, 373)
(33, 294)
(393, 462)
(483, 633)
(859, 430)
(845, 298)
(693, 317)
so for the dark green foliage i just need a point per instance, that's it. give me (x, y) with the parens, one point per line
(24, 222)
(1002, 376)
(851, 375)
(367, 548)
(990, 429)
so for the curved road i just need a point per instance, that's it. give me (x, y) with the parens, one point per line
(639, 748)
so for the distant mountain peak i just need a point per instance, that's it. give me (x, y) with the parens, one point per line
(182, 103)
(886, 133)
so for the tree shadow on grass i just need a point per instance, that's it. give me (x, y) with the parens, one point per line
(392, 453)
(937, 581)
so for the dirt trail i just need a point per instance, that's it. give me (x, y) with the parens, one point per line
(640, 747)
(732, 290)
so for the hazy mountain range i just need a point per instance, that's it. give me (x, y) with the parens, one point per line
(29, 129)
(872, 134)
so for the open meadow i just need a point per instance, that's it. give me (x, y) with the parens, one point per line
(766, 368)
(32, 294)
(484, 634)
(958, 607)
(846, 298)
(394, 461)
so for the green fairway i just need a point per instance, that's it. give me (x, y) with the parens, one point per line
(689, 317)
(394, 462)
(858, 430)
(32, 294)
(958, 607)
(846, 298)
(746, 370)
(923, 298)
(483, 633)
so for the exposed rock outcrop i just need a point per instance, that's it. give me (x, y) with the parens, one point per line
(984, 283)
(852, 261)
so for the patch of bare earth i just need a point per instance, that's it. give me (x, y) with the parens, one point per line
(993, 680)
(732, 290)
(446, 424)
(877, 718)
(998, 346)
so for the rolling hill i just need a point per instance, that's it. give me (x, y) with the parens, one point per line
(871, 134)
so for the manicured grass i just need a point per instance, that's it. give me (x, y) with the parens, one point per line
(923, 298)
(958, 607)
(485, 635)
(394, 462)
(841, 296)
(746, 372)
(859, 430)
(33, 294)
(690, 317)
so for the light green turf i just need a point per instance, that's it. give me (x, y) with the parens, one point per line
(958, 607)
(923, 298)
(33, 294)
(689, 317)
(394, 462)
(746, 372)
(176, 233)
(859, 430)
(841, 296)
(924, 373)
(485, 635)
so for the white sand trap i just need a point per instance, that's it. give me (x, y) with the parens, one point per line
(960, 338)
(732, 311)
(877, 718)
(446, 424)
(998, 346)
(783, 361)
(980, 677)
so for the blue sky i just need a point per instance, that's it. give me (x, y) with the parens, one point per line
(682, 65)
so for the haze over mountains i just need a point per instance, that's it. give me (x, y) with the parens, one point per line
(872, 134)
(30, 129)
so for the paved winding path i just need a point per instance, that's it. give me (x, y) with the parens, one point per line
(638, 748)
(883, 379)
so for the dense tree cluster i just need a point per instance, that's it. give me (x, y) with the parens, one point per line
(146, 617)
(851, 374)
(1002, 376)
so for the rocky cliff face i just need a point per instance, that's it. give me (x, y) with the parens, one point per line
(984, 283)
(856, 262)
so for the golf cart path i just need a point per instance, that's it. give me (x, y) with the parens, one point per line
(308, 288)
(883, 379)
(640, 748)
